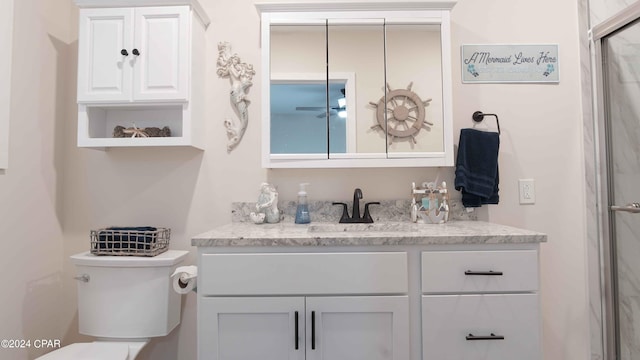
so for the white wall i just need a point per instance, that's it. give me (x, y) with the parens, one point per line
(191, 191)
(31, 234)
(541, 139)
(6, 32)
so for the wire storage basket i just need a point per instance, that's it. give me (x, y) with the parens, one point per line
(130, 241)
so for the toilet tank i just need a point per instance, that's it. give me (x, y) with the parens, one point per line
(127, 296)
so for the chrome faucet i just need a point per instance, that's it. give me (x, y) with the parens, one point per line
(355, 212)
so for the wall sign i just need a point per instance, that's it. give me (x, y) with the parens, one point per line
(510, 64)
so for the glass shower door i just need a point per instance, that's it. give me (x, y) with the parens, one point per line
(621, 69)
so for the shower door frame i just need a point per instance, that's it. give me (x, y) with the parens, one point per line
(606, 225)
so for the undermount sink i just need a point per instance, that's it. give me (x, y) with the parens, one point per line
(375, 227)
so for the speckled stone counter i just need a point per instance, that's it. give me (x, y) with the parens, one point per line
(391, 227)
(381, 233)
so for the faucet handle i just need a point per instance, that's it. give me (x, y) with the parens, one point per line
(345, 214)
(367, 216)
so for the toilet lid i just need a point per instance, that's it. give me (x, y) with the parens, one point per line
(90, 351)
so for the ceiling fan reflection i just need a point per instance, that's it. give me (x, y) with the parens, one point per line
(333, 111)
(340, 110)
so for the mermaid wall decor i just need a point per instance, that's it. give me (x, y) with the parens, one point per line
(240, 75)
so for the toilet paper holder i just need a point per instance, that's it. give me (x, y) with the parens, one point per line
(184, 279)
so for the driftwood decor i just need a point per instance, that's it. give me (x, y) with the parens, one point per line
(405, 114)
(122, 132)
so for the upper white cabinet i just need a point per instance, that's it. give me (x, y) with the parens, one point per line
(140, 64)
(133, 54)
(356, 84)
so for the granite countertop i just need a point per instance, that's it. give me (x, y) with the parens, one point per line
(238, 234)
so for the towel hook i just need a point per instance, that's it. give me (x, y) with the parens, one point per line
(479, 116)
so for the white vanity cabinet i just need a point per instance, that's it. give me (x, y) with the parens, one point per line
(467, 290)
(339, 310)
(479, 305)
(140, 64)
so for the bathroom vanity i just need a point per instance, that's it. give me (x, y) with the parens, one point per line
(399, 290)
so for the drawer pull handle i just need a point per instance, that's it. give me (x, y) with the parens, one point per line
(313, 330)
(490, 272)
(492, 336)
(296, 329)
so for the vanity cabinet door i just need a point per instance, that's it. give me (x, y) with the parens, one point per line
(251, 328)
(481, 327)
(354, 328)
(297, 328)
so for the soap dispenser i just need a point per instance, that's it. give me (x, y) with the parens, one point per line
(302, 211)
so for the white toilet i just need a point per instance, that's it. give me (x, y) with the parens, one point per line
(123, 301)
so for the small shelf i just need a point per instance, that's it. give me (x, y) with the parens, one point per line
(96, 124)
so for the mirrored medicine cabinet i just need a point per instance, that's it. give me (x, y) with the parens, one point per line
(356, 85)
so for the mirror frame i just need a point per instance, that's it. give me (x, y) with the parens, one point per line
(424, 12)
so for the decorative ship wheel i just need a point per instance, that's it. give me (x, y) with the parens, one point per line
(405, 114)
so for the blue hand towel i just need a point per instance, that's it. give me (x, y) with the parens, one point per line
(477, 167)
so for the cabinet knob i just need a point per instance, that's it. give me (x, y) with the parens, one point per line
(136, 52)
(124, 52)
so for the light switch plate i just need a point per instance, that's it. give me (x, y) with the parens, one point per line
(527, 191)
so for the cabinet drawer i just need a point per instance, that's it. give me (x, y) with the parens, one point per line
(309, 274)
(460, 327)
(479, 271)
